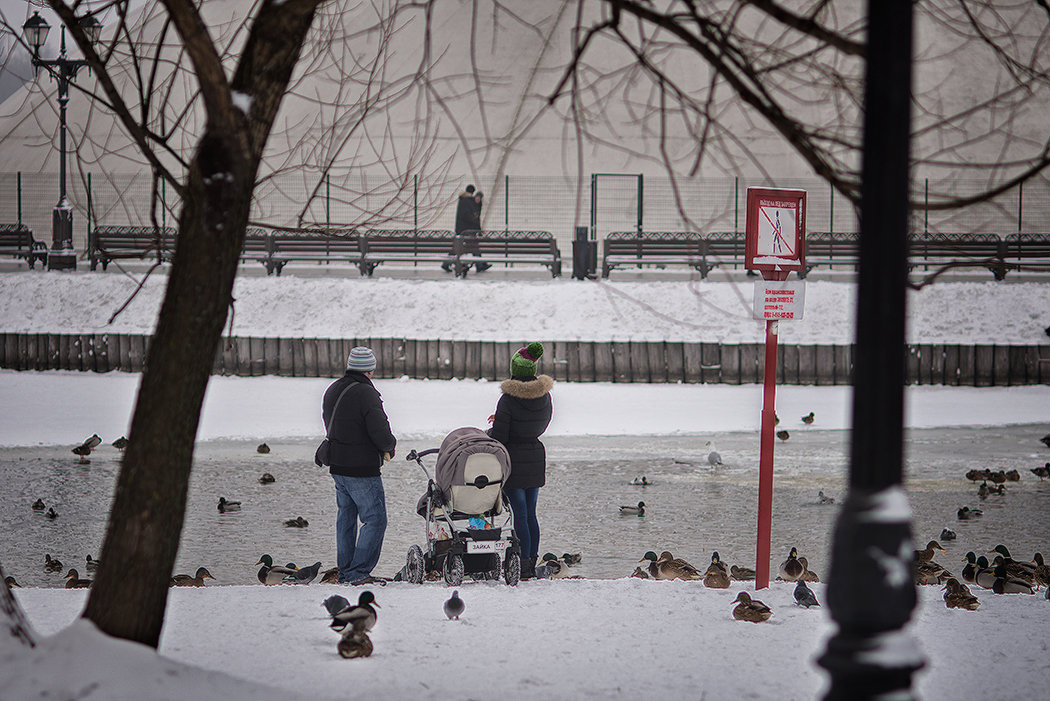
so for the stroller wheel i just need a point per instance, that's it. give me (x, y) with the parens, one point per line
(512, 569)
(414, 566)
(453, 570)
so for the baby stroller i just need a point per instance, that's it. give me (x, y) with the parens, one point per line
(469, 523)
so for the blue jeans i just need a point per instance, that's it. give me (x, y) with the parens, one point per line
(527, 528)
(359, 498)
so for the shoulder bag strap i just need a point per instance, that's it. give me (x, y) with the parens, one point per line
(336, 407)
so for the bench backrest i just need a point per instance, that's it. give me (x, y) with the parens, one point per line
(1022, 245)
(513, 242)
(314, 241)
(407, 241)
(941, 245)
(654, 243)
(132, 237)
(16, 236)
(833, 244)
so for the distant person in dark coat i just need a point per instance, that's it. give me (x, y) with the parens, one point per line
(522, 415)
(468, 223)
(360, 441)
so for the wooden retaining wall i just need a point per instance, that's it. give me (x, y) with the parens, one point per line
(572, 361)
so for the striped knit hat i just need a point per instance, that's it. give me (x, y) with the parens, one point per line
(361, 359)
(523, 364)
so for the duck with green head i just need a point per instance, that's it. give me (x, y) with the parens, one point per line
(269, 574)
(791, 569)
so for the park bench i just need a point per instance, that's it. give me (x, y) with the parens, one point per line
(957, 250)
(659, 248)
(107, 243)
(507, 247)
(17, 240)
(312, 245)
(405, 246)
(826, 248)
(1027, 251)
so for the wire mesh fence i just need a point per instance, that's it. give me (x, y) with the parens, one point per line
(602, 202)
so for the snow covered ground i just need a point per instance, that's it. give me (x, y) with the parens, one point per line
(567, 638)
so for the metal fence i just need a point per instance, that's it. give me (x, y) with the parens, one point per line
(602, 202)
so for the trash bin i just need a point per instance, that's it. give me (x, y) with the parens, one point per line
(584, 255)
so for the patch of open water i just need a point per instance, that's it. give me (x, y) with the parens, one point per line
(692, 508)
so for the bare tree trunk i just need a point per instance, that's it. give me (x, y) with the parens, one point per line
(130, 593)
(12, 617)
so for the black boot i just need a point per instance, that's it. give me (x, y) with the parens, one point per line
(528, 568)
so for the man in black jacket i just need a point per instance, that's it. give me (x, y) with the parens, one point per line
(359, 442)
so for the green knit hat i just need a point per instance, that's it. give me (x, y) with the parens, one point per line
(523, 364)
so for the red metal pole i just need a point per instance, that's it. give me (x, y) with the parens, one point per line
(765, 464)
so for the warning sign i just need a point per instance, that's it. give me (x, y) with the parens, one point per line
(775, 229)
(776, 300)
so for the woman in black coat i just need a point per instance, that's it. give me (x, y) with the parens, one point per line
(522, 415)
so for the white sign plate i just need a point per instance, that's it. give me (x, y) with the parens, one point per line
(776, 300)
(486, 546)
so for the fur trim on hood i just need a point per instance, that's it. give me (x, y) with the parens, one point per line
(528, 389)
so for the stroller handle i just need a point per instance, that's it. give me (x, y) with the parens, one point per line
(413, 455)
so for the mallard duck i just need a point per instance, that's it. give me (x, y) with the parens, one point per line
(642, 481)
(984, 576)
(742, 574)
(225, 505)
(555, 568)
(804, 596)
(668, 567)
(926, 554)
(1005, 584)
(807, 575)
(714, 458)
(791, 569)
(121, 443)
(51, 564)
(1045, 440)
(975, 475)
(361, 617)
(11, 583)
(965, 513)
(85, 448)
(716, 577)
(638, 510)
(823, 498)
(73, 580)
(262, 449)
(1041, 472)
(776, 419)
(51, 513)
(571, 559)
(38, 505)
(184, 580)
(330, 576)
(930, 573)
(454, 606)
(269, 574)
(297, 522)
(640, 573)
(267, 478)
(808, 418)
(783, 435)
(957, 595)
(304, 575)
(1041, 573)
(90, 564)
(1014, 568)
(983, 491)
(948, 534)
(748, 609)
(969, 570)
(354, 643)
(1013, 476)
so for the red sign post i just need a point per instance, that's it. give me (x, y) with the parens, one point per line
(775, 244)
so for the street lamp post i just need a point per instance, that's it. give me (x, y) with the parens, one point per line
(63, 69)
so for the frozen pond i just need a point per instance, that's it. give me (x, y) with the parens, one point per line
(692, 509)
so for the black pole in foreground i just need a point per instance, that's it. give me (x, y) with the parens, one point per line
(871, 588)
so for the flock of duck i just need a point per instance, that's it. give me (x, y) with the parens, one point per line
(719, 575)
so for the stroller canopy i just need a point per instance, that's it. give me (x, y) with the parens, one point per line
(465, 455)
